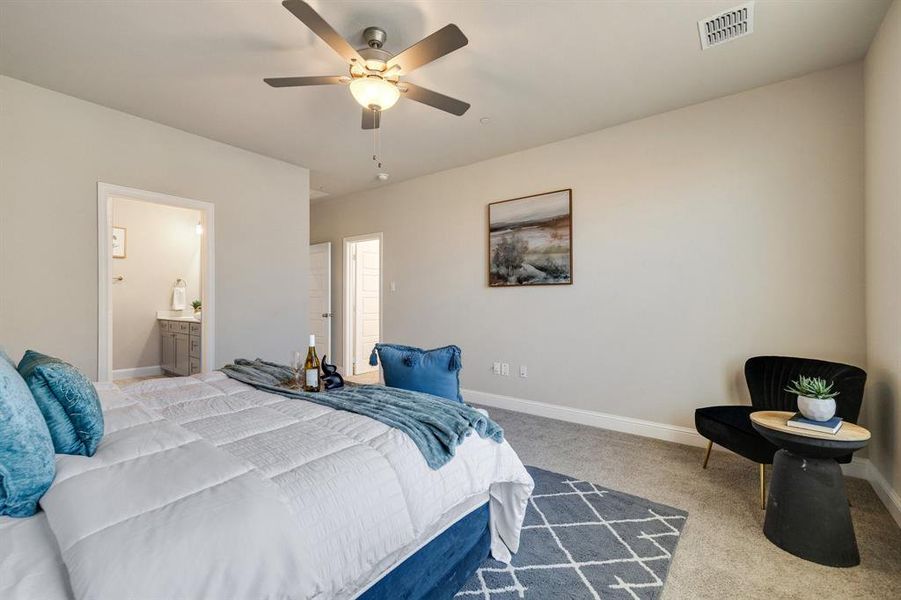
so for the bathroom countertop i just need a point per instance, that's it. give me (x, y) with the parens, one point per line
(162, 316)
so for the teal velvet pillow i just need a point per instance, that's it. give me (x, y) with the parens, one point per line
(27, 464)
(67, 400)
(435, 372)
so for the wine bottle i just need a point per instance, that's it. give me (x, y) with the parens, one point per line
(311, 368)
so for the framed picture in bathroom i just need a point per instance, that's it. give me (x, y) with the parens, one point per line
(118, 242)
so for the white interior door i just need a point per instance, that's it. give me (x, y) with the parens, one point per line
(366, 303)
(321, 298)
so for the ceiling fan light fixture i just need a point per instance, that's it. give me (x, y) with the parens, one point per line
(374, 91)
(375, 72)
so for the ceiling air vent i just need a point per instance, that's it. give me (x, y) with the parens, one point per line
(727, 26)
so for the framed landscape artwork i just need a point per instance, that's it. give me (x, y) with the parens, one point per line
(530, 240)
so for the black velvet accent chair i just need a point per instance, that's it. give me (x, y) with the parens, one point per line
(767, 377)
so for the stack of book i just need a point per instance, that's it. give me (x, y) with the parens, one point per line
(801, 422)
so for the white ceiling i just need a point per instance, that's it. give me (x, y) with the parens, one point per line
(541, 70)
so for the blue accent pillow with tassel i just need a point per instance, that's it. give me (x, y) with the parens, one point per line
(435, 372)
(27, 464)
(67, 400)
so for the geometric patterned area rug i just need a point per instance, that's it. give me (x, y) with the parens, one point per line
(582, 541)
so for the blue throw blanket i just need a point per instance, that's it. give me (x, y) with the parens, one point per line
(436, 426)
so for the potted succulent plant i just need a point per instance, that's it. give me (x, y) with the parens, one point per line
(196, 304)
(816, 400)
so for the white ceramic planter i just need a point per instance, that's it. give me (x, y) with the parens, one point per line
(816, 409)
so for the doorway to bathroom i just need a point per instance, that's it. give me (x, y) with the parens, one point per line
(362, 303)
(156, 307)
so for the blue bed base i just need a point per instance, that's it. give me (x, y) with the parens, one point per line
(439, 569)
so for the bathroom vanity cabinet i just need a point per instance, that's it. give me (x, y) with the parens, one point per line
(181, 347)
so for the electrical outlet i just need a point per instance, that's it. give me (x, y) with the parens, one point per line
(497, 368)
(523, 371)
(505, 369)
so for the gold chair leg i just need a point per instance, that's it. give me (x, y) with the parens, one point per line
(762, 486)
(707, 456)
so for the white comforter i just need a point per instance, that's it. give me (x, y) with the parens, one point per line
(204, 487)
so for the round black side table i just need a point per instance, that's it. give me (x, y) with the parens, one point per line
(807, 510)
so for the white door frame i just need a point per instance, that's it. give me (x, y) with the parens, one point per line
(328, 278)
(348, 284)
(105, 194)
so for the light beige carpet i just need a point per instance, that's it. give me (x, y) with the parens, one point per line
(723, 553)
(130, 380)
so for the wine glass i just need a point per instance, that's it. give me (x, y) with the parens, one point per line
(297, 365)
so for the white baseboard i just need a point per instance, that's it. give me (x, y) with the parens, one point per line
(858, 467)
(652, 429)
(865, 469)
(137, 372)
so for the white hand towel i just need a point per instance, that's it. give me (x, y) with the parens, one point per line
(178, 298)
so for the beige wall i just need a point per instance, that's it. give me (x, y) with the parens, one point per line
(702, 236)
(882, 81)
(53, 151)
(162, 247)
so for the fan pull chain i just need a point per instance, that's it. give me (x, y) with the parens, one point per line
(376, 142)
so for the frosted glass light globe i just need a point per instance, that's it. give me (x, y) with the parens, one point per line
(374, 91)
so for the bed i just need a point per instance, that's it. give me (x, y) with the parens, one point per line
(204, 487)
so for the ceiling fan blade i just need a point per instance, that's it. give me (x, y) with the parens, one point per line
(434, 99)
(299, 81)
(318, 25)
(444, 41)
(371, 118)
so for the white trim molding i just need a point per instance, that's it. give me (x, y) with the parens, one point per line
(105, 194)
(865, 469)
(859, 467)
(651, 429)
(137, 372)
(347, 285)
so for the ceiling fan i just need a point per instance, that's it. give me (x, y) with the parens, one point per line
(375, 73)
